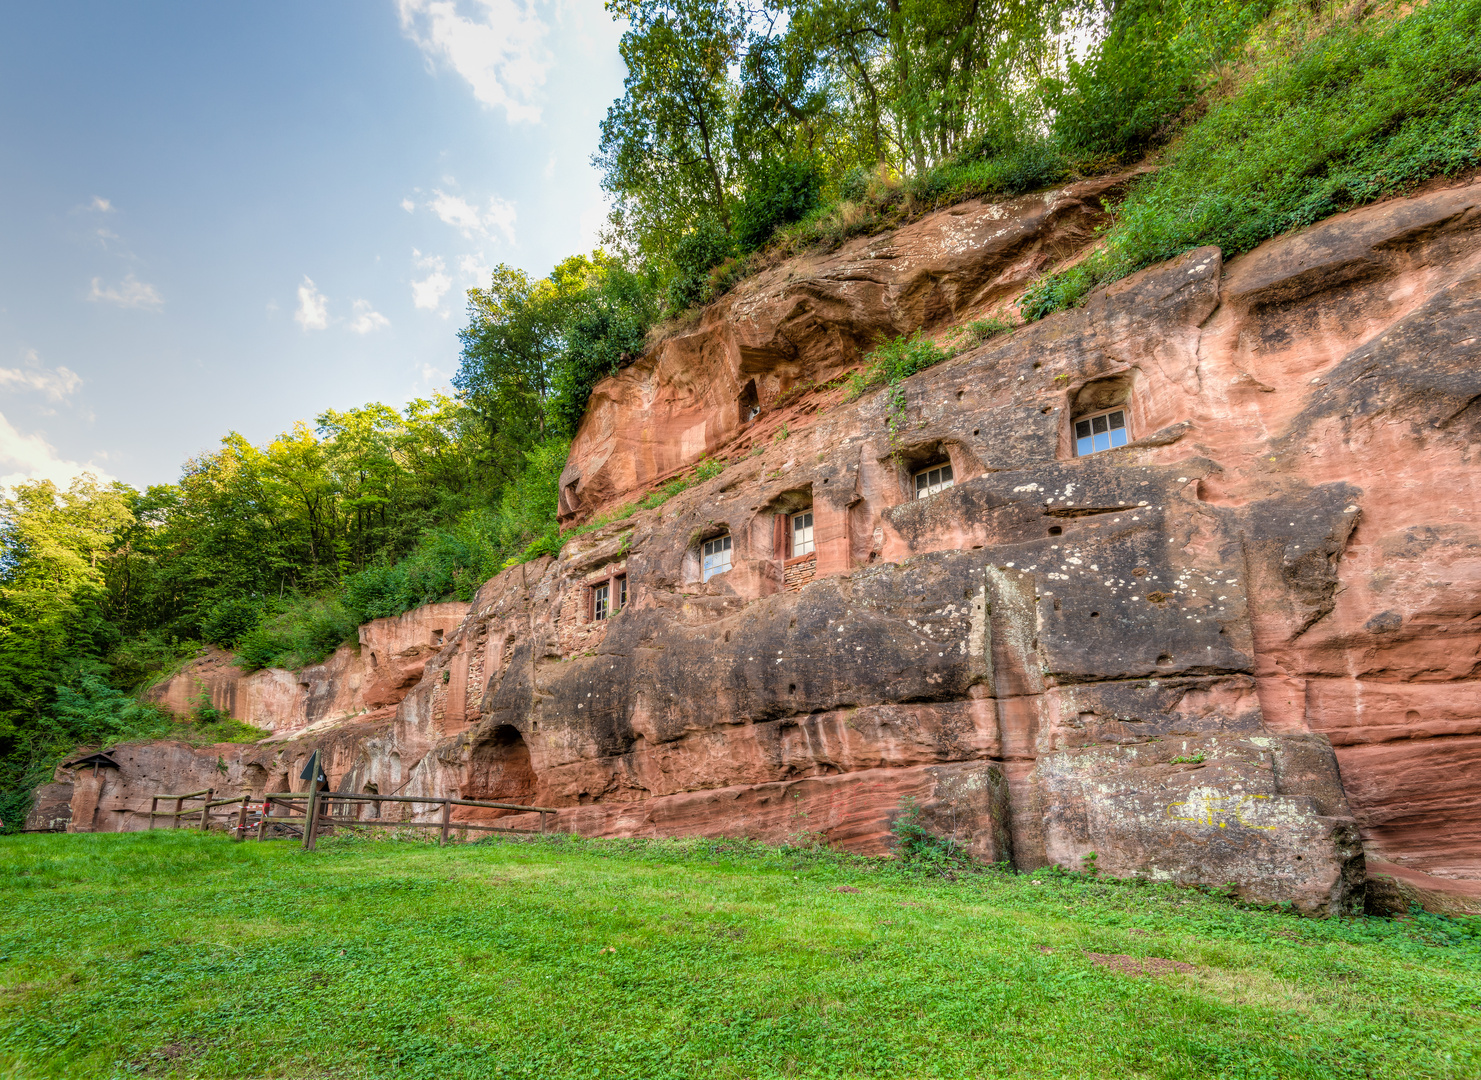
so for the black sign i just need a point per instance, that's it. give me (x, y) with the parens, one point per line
(309, 769)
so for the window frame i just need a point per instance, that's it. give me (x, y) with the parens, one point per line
(792, 531)
(601, 600)
(1123, 410)
(607, 598)
(944, 483)
(727, 550)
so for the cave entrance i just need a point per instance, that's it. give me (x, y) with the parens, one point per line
(499, 768)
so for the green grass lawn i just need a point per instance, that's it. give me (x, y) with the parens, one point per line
(177, 954)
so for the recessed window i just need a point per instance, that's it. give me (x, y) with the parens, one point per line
(601, 601)
(716, 556)
(929, 481)
(802, 534)
(619, 585)
(1103, 431)
(436, 637)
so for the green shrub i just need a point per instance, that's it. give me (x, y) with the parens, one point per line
(304, 630)
(895, 360)
(779, 191)
(704, 246)
(917, 844)
(1358, 113)
(230, 619)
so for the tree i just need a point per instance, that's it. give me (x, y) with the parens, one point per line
(665, 151)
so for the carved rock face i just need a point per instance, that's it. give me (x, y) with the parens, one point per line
(1148, 653)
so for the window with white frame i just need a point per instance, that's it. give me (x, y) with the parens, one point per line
(716, 556)
(609, 597)
(802, 534)
(1102, 431)
(929, 481)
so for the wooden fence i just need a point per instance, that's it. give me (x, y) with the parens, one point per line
(320, 806)
(241, 802)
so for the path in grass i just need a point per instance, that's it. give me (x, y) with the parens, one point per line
(172, 953)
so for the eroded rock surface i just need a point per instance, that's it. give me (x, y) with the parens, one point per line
(1242, 648)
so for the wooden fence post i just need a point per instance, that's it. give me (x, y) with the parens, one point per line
(447, 816)
(153, 806)
(241, 832)
(175, 821)
(206, 809)
(313, 816)
(262, 817)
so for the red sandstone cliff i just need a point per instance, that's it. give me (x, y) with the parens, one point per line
(1151, 653)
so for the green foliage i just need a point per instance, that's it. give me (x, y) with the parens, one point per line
(671, 959)
(607, 329)
(780, 191)
(702, 247)
(300, 630)
(916, 843)
(1157, 56)
(1356, 113)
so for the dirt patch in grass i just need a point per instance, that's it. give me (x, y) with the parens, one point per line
(1146, 965)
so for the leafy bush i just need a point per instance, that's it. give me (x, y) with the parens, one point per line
(303, 631)
(895, 360)
(606, 329)
(704, 246)
(1358, 113)
(780, 191)
(916, 843)
(227, 622)
(1126, 95)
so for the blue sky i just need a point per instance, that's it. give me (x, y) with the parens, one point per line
(224, 217)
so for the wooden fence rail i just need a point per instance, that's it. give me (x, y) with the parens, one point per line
(318, 800)
(207, 805)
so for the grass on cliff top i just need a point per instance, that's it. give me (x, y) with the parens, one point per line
(177, 954)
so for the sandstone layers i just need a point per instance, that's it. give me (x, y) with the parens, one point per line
(1241, 649)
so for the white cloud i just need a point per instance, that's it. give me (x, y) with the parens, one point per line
(313, 306)
(129, 293)
(497, 47)
(474, 269)
(428, 293)
(408, 206)
(56, 384)
(367, 319)
(31, 457)
(458, 212)
(100, 204)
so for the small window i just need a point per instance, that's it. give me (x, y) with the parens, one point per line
(716, 556)
(802, 534)
(436, 637)
(1104, 431)
(620, 585)
(929, 481)
(601, 600)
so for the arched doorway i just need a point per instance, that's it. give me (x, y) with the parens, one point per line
(499, 768)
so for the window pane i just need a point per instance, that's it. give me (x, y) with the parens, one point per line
(599, 606)
(1083, 446)
(622, 592)
(920, 482)
(1117, 419)
(1098, 424)
(946, 474)
(1118, 436)
(1102, 441)
(1082, 429)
